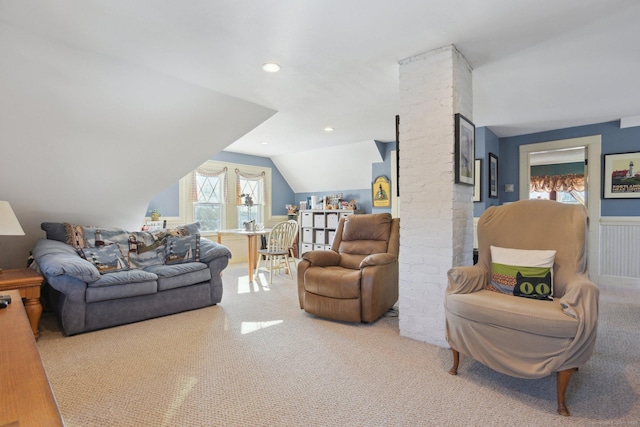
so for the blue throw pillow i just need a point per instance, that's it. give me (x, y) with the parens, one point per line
(107, 259)
(181, 249)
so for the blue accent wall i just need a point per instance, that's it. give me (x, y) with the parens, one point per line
(614, 140)
(166, 202)
(384, 169)
(486, 142)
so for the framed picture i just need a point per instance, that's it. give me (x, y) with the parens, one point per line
(493, 176)
(380, 194)
(477, 184)
(464, 150)
(621, 180)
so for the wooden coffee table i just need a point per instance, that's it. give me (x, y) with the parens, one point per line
(26, 398)
(27, 282)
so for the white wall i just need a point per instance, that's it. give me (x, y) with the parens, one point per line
(91, 140)
(331, 168)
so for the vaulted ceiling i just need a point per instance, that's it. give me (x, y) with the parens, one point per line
(537, 65)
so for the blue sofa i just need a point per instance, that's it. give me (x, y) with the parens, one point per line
(86, 298)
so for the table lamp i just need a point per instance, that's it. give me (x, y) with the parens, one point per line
(9, 225)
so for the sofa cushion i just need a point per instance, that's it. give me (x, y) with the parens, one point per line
(106, 293)
(521, 314)
(107, 258)
(333, 282)
(187, 229)
(81, 236)
(519, 272)
(181, 249)
(122, 284)
(55, 231)
(147, 248)
(178, 275)
(123, 277)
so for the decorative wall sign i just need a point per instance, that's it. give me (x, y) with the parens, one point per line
(381, 196)
(465, 150)
(621, 178)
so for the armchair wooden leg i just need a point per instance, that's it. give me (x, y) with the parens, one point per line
(563, 378)
(456, 360)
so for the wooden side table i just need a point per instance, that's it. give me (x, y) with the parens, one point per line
(27, 282)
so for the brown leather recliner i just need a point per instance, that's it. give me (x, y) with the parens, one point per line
(357, 280)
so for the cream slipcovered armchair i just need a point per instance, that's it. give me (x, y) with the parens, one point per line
(357, 280)
(519, 336)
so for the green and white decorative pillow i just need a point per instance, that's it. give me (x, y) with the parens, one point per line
(524, 273)
(107, 259)
(181, 249)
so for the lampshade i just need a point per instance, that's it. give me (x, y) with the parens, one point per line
(9, 225)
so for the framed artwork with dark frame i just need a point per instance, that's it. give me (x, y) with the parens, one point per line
(493, 176)
(620, 179)
(477, 183)
(464, 150)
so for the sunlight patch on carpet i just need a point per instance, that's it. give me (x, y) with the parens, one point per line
(245, 287)
(181, 394)
(248, 327)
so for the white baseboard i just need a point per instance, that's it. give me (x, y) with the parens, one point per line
(631, 282)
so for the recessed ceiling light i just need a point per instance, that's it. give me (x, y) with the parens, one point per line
(329, 129)
(265, 143)
(271, 67)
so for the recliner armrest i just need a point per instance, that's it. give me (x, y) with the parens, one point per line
(467, 279)
(322, 258)
(378, 259)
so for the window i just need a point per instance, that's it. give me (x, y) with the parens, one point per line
(209, 198)
(249, 197)
(213, 195)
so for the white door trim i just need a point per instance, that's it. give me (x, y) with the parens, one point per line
(593, 146)
(395, 200)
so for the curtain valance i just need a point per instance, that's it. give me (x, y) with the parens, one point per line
(249, 177)
(209, 173)
(569, 182)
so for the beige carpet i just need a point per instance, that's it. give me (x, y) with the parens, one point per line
(257, 360)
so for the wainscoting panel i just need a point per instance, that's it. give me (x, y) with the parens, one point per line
(620, 246)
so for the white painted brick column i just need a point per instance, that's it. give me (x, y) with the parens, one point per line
(436, 214)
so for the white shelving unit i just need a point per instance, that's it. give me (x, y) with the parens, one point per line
(318, 228)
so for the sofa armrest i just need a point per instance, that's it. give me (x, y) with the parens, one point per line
(210, 250)
(322, 258)
(56, 259)
(580, 299)
(378, 259)
(467, 279)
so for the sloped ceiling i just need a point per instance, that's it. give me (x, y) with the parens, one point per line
(88, 139)
(330, 169)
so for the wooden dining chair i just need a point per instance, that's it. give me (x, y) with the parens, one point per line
(277, 253)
